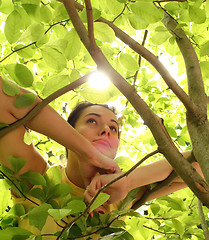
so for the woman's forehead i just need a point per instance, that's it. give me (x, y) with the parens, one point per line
(100, 110)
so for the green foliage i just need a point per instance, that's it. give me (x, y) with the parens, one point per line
(41, 51)
(102, 198)
(10, 88)
(50, 192)
(20, 74)
(17, 163)
(25, 100)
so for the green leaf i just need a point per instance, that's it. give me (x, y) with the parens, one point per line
(95, 96)
(35, 2)
(114, 7)
(103, 32)
(6, 170)
(101, 199)
(6, 6)
(178, 226)
(5, 198)
(10, 88)
(25, 52)
(38, 215)
(18, 210)
(73, 46)
(155, 208)
(160, 37)
(127, 202)
(58, 214)
(96, 14)
(171, 132)
(27, 138)
(45, 13)
(33, 33)
(197, 15)
(137, 22)
(60, 13)
(125, 163)
(24, 75)
(38, 193)
(174, 202)
(17, 163)
(128, 62)
(54, 58)
(13, 26)
(20, 74)
(205, 69)
(55, 83)
(3, 126)
(4, 186)
(33, 178)
(59, 190)
(148, 11)
(74, 75)
(8, 221)
(25, 100)
(13, 233)
(76, 206)
(53, 176)
(204, 49)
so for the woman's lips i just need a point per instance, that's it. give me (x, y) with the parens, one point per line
(102, 141)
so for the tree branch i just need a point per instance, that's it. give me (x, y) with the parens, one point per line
(202, 219)
(90, 24)
(165, 144)
(146, 54)
(78, 24)
(197, 123)
(195, 82)
(42, 104)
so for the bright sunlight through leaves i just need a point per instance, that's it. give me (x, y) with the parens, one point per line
(99, 81)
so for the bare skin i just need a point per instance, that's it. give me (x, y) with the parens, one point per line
(92, 147)
(51, 124)
(141, 177)
(98, 125)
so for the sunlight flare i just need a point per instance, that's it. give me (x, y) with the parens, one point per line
(99, 81)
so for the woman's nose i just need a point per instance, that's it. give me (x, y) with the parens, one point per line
(105, 130)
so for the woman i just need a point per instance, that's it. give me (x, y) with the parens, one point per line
(92, 142)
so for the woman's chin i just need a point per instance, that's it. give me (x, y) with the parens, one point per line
(105, 150)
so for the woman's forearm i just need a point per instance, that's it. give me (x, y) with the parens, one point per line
(151, 173)
(47, 122)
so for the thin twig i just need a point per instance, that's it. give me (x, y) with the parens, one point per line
(18, 188)
(125, 5)
(19, 49)
(166, 233)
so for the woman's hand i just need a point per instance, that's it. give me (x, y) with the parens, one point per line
(117, 191)
(99, 163)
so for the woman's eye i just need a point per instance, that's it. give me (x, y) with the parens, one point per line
(91, 120)
(114, 129)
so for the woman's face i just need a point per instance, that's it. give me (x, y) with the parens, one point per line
(99, 125)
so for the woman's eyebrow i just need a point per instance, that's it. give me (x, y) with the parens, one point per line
(98, 115)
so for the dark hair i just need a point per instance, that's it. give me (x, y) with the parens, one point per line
(77, 111)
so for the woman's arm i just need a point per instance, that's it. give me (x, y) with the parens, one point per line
(51, 124)
(140, 177)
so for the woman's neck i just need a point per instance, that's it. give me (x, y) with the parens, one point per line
(73, 170)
